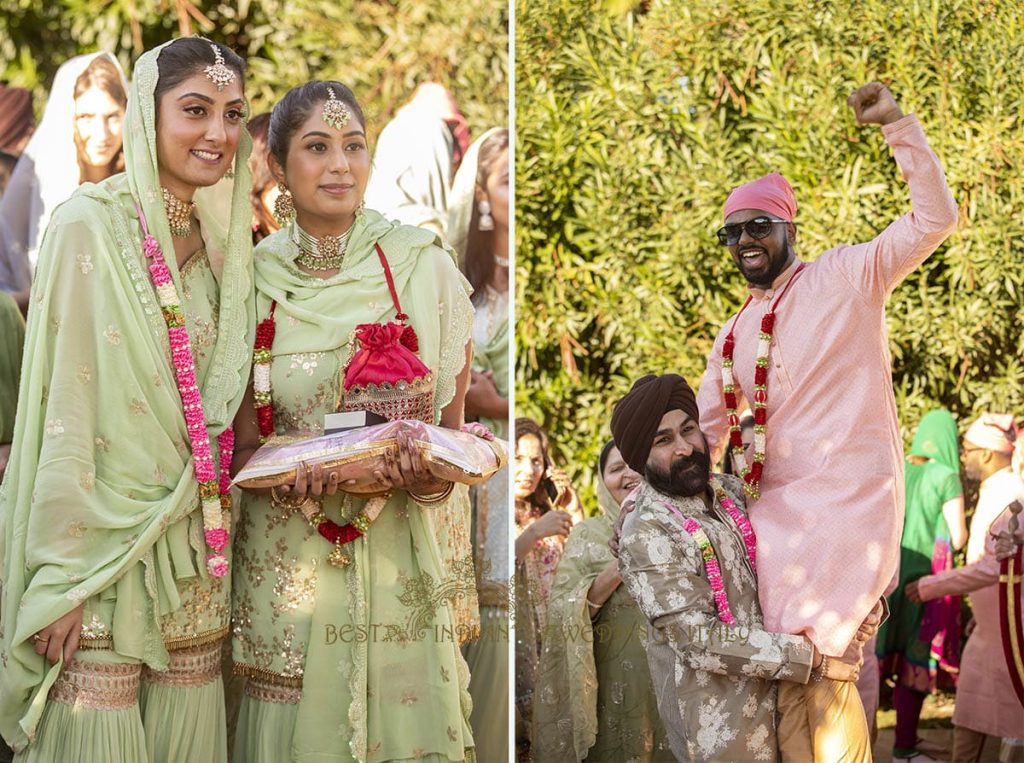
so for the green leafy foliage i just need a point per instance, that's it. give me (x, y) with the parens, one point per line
(631, 129)
(382, 49)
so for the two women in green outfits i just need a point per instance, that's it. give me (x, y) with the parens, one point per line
(111, 620)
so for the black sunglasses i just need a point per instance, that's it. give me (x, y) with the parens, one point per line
(757, 228)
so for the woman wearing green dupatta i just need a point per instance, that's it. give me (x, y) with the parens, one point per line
(919, 640)
(112, 620)
(478, 231)
(593, 698)
(338, 666)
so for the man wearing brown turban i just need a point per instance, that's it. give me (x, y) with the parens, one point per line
(686, 555)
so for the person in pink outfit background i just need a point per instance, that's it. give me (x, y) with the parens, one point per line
(985, 701)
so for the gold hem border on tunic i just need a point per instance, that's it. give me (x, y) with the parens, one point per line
(171, 644)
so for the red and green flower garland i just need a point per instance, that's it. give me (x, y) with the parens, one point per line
(337, 535)
(752, 474)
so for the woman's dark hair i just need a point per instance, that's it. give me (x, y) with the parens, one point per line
(546, 490)
(187, 56)
(479, 263)
(102, 74)
(294, 109)
(263, 222)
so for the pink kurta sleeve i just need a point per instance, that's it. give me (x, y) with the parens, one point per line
(960, 581)
(876, 267)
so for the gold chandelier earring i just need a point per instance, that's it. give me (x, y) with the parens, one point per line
(284, 206)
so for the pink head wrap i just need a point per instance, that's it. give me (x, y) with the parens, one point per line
(993, 431)
(771, 193)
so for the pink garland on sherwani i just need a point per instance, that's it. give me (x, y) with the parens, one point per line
(214, 488)
(711, 565)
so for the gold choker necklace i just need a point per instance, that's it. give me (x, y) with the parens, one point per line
(322, 253)
(179, 214)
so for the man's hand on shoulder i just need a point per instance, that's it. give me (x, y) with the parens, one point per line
(873, 104)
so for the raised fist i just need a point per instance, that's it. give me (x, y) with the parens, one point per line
(874, 104)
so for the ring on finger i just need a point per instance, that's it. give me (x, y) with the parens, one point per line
(40, 639)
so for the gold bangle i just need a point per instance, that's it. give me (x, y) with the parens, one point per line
(592, 604)
(435, 498)
(292, 501)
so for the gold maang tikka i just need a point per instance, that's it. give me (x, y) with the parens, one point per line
(217, 72)
(336, 113)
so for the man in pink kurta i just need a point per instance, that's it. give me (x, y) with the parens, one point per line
(986, 704)
(830, 512)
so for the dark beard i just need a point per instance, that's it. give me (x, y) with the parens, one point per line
(681, 481)
(774, 268)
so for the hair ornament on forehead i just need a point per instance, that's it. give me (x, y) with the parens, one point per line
(218, 73)
(336, 113)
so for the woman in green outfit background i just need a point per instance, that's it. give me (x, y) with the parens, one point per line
(593, 698)
(478, 231)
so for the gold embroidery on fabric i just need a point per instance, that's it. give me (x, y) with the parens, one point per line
(84, 263)
(159, 476)
(258, 687)
(55, 427)
(138, 407)
(84, 374)
(291, 589)
(267, 677)
(87, 480)
(95, 629)
(158, 380)
(112, 335)
(98, 686)
(197, 258)
(101, 444)
(201, 639)
(57, 324)
(188, 667)
(203, 616)
(77, 530)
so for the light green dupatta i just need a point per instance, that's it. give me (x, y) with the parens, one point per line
(347, 709)
(100, 496)
(593, 697)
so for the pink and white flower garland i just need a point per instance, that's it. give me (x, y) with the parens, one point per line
(214, 489)
(711, 564)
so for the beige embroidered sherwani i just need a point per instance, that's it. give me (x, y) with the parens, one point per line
(714, 683)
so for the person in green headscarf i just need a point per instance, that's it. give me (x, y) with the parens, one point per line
(478, 231)
(593, 698)
(920, 640)
(111, 618)
(351, 649)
